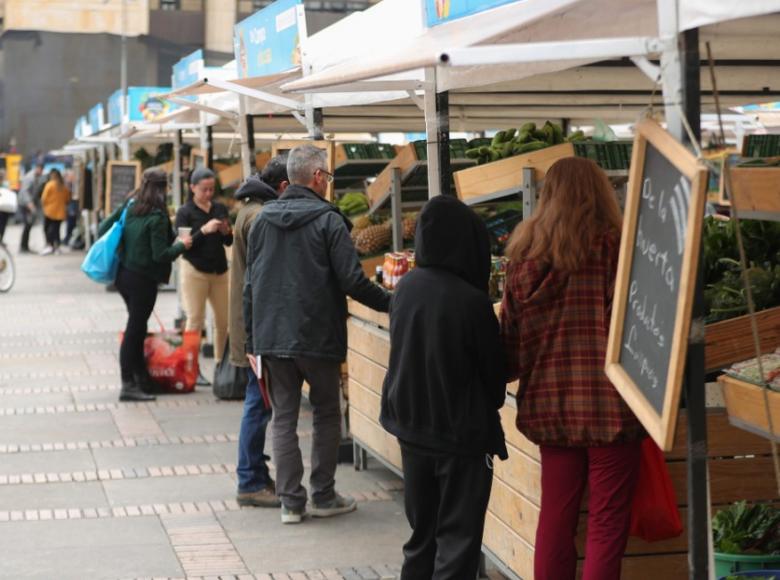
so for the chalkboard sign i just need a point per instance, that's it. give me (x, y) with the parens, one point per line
(123, 178)
(659, 252)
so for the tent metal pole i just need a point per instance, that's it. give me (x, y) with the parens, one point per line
(250, 133)
(437, 128)
(314, 123)
(210, 147)
(177, 190)
(203, 137)
(243, 129)
(695, 374)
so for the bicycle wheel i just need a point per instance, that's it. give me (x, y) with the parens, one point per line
(7, 269)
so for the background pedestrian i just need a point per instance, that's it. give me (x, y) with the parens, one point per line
(204, 267)
(255, 486)
(54, 202)
(145, 257)
(32, 185)
(555, 322)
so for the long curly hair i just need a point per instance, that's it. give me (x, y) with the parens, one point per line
(577, 204)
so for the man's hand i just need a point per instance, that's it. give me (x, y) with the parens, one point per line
(253, 363)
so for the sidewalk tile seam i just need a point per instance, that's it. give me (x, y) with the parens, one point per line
(146, 441)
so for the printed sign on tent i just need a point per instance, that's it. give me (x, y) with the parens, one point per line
(97, 118)
(115, 109)
(187, 70)
(268, 42)
(440, 11)
(146, 105)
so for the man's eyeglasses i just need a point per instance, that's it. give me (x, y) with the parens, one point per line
(329, 176)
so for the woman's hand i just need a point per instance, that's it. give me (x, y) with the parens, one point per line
(224, 227)
(253, 363)
(186, 240)
(211, 226)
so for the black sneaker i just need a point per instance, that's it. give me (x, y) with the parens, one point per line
(292, 516)
(335, 507)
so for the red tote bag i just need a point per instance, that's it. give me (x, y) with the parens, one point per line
(654, 513)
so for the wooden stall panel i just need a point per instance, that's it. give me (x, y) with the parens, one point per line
(521, 473)
(365, 371)
(369, 341)
(723, 439)
(373, 436)
(364, 400)
(358, 310)
(509, 547)
(514, 510)
(511, 433)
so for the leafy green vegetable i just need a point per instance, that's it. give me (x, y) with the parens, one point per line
(725, 294)
(747, 529)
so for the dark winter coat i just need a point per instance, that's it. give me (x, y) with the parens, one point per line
(301, 266)
(446, 380)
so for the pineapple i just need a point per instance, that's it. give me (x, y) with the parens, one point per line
(361, 223)
(373, 239)
(410, 226)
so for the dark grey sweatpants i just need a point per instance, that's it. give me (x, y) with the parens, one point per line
(285, 378)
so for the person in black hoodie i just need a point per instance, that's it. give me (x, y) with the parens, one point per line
(301, 265)
(443, 389)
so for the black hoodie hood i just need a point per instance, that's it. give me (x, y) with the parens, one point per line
(297, 207)
(256, 189)
(452, 237)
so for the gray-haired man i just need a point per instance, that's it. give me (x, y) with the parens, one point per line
(301, 265)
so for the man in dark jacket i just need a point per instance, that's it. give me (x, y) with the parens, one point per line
(301, 265)
(443, 389)
(255, 486)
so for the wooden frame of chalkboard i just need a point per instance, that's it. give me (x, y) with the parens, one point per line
(112, 196)
(649, 375)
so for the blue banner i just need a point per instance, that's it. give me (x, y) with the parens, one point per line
(115, 109)
(440, 11)
(187, 70)
(82, 127)
(268, 42)
(145, 105)
(97, 118)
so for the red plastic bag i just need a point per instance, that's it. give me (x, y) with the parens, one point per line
(654, 513)
(172, 359)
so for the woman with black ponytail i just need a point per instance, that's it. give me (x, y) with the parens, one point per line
(148, 248)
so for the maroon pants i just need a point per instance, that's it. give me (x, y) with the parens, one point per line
(610, 473)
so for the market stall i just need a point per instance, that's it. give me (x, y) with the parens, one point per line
(515, 53)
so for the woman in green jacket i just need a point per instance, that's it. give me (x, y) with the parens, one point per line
(148, 248)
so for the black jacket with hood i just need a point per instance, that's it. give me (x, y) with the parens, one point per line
(301, 266)
(446, 379)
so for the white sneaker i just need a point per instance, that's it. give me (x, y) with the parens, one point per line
(46, 251)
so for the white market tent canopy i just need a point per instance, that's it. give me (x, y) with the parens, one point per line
(392, 48)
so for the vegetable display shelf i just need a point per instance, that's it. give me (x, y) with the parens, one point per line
(414, 175)
(505, 177)
(746, 406)
(731, 340)
(355, 162)
(756, 192)
(740, 471)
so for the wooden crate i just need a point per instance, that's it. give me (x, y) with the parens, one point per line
(746, 405)
(756, 189)
(731, 341)
(405, 160)
(507, 174)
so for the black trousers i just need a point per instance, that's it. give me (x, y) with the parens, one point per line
(51, 229)
(28, 216)
(446, 497)
(139, 293)
(3, 222)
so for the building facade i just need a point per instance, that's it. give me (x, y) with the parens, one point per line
(58, 58)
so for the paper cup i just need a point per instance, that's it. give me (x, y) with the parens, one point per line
(184, 231)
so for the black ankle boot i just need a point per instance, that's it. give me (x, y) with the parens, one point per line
(147, 384)
(132, 391)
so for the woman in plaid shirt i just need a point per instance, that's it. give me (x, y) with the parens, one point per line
(555, 322)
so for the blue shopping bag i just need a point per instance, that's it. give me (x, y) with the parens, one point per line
(101, 263)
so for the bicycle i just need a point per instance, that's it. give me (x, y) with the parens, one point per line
(7, 269)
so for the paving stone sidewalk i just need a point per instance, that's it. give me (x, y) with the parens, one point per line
(91, 488)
